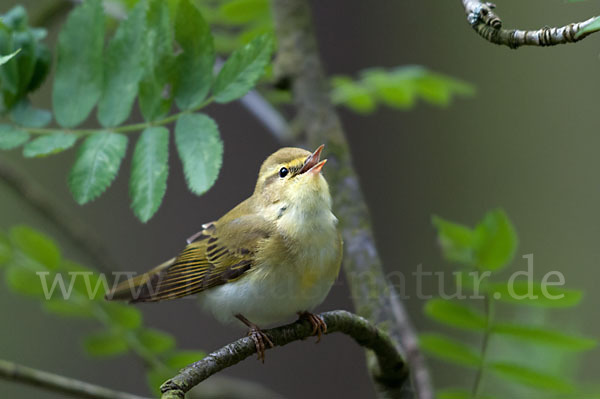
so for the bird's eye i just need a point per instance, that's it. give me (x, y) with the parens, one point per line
(283, 172)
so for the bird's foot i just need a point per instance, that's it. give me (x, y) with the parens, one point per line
(318, 324)
(261, 340)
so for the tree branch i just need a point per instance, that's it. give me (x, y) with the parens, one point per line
(374, 298)
(487, 24)
(392, 368)
(14, 372)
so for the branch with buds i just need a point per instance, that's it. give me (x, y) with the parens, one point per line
(392, 373)
(482, 17)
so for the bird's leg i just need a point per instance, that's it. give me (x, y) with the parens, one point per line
(317, 322)
(257, 336)
(193, 238)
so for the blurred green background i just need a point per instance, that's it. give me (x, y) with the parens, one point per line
(527, 142)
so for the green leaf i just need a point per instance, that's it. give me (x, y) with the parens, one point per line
(68, 308)
(242, 69)
(5, 58)
(458, 393)
(531, 293)
(25, 281)
(183, 358)
(11, 137)
(49, 144)
(25, 114)
(106, 343)
(149, 172)
(98, 161)
(195, 63)
(457, 241)
(593, 26)
(159, 60)
(244, 11)
(352, 95)
(5, 249)
(532, 378)
(125, 316)
(496, 241)
(79, 75)
(455, 315)
(542, 336)
(36, 245)
(123, 68)
(200, 149)
(449, 350)
(156, 341)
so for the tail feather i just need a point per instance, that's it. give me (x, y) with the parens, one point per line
(140, 288)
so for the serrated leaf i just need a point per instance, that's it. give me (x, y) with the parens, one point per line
(200, 149)
(183, 358)
(149, 172)
(242, 69)
(496, 241)
(78, 79)
(543, 336)
(24, 281)
(159, 60)
(106, 343)
(123, 67)
(5, 58)
(68, 308)
(593, 26)
(96, 166)
(531, 294)
(457, 241)
(25, 114)
(532, 378)
(36, 245)
(49, 144)
(11, 137)
(125, 316)
(156, 341)
(195, 63)
(5, 249)
(449, 350)
(455, 315)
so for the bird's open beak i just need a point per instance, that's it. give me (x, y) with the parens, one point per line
(312, 163)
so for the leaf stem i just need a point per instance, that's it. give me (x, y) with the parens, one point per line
(489, 315)
(121, 129)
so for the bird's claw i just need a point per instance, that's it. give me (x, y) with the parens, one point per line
(318, 324)
(260, 338)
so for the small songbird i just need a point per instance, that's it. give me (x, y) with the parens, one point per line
(274, 255)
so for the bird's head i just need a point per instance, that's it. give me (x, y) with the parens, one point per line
(292, 176)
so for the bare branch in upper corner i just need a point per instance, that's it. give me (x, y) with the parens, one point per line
(392, 368)
(57, 383)
(487, 24)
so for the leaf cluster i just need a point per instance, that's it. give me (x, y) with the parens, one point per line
(399, 88)
(162, 55)
(490, 247)
(28, 256)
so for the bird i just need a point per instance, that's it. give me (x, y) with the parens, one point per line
(273, 256)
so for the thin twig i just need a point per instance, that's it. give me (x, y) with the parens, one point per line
(487, 24)
(57, 383)
(393, 371)
(298, 61)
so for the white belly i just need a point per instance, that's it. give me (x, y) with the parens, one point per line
(275, 293)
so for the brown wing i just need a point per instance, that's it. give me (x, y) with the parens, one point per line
(222, 252)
